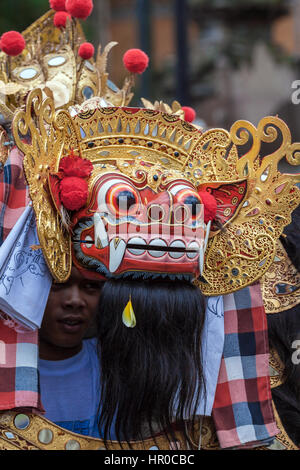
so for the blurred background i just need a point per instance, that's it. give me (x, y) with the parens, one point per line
(229, 59)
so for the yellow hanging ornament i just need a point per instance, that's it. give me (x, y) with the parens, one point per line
(128, 316)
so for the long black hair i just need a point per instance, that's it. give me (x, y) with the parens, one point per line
(284, 332)
(151, 375)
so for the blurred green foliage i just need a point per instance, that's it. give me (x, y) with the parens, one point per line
(19, 14)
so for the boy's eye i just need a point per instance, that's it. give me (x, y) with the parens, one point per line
(92, 285)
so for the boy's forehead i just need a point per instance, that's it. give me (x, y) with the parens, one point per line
(75, 276)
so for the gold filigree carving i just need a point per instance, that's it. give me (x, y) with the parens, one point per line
(245, 250)
(40, 139)
(282, 438)
(61, 439)
(276, 367)
(42, 434)
(3, 147)
(281, 283)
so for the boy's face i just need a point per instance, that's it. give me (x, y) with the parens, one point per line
(69, 311)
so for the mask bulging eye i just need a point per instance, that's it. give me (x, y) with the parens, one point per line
(122, 199)
(190, 203)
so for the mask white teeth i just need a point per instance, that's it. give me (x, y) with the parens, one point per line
(193, 246)
(136, 241)
(177, 244)
(101, 238)
(117, 249)
(160, 243)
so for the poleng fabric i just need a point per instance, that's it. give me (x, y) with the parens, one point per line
(14, 196)
(242, 411)
(18, 368)
(18, 349)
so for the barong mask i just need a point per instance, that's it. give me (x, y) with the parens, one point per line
(215, 204)
(147, 201)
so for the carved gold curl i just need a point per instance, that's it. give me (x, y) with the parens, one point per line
(41, 142)
(3, 147)
(236, 261)
(267, 208)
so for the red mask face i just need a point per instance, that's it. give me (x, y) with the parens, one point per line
(129, 228)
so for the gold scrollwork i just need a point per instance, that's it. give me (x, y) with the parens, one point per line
(40, 141)
(271, 197)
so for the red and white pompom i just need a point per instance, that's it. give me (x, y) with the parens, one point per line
(12, 43)
(58, 5)
(135, 60)
(210, 206)
(80, 8)
(189, 113)
(60, 19)
(86, 51)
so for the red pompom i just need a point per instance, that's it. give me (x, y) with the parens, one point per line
(60, 19)
(80, 8)
(73, 193)
(75, 166)
(58, 5)
(12, 43)
(86, 51)
(210, 206)
(189, 113)
(135, 60)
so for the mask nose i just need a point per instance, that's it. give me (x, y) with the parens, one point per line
(159, 209)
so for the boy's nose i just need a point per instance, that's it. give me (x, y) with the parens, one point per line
(74, 298)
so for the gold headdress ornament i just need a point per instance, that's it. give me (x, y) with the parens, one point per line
(236, 256)
(52, 62)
